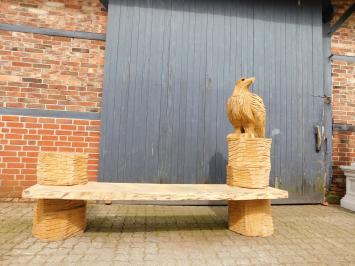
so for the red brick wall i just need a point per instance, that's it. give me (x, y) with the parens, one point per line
(343, 97)
(343, 40)
(22, 137)
(48, 72)
(343, 77)
(75, 15)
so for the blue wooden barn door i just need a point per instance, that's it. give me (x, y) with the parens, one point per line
(172, 64)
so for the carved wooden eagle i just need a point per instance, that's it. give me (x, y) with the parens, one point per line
(246, 110)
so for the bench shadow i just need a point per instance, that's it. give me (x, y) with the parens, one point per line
(217, 169)
(156, 223)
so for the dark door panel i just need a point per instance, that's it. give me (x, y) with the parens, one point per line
(170, 67)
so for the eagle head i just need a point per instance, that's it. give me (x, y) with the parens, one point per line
(244, 83)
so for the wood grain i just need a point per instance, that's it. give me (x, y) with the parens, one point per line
(248, 161)
(246, 110)
(58, 219)
(62, 168)
(144, 191)
(250, 217)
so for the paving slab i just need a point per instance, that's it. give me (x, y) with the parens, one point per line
(182, 235)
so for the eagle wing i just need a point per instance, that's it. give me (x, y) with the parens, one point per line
(230, 111)
(258, 109)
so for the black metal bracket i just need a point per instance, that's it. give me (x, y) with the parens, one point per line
(104, 3)
(346, 58)
(50, 113)
(343, 127)
(53, 32)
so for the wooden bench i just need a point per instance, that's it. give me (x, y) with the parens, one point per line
(61, 210)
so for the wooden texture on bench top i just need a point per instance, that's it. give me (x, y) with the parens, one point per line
(143, 191)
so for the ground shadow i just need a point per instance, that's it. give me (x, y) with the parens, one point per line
(217, 169)
(157, 223)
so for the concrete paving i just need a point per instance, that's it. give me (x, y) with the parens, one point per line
(181, 235)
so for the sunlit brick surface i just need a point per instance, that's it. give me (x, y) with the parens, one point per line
(74, 15)
(50, 72)
(343, 96)
(343, 40)
(22, 137)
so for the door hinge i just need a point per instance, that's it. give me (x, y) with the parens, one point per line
(327, 99)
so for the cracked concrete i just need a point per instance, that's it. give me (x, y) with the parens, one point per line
(182, 235)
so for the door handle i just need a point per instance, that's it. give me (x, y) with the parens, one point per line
(319, 136)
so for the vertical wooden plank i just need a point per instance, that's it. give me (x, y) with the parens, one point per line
(202, 22)
(167, 123)
(228, 77)
(250, 38)
(176, 72)
(233, 60)
(283, 99)
(259, 47)
(221, 68)
(244, 37)
(314, 185)
(306, 88)
(269, 87)
(296, 176)
(190, 112)
(297, 100)
(183, 91)
(126, 74)
(278, 17)
(211, 95)
(134, 69)
(238, 10)
(199, 57)
(117, 71)
(276, 103)
(146, 91)
(111, 44)
(165, 97)
(138, 128)
(154, 96)
(111, 113)
(308, 118)
(269, 66)
(290, 179)
(300, 83)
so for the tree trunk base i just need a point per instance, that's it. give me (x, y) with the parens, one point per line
(55, 219)
(250, 217)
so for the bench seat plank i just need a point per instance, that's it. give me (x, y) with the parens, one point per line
(144, 191)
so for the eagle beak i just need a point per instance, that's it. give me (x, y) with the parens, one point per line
(251, 81)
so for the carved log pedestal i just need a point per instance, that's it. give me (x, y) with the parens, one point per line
(248, 161)
(56, 219)
(250, 217)
(62, 168)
